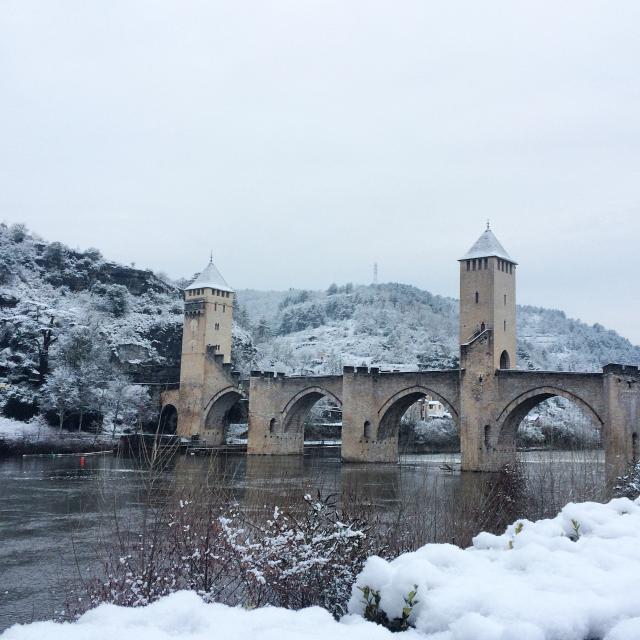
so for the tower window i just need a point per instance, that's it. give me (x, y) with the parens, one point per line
(468, 265)
(474, 265)
(477, 297)
(486, 263)
(505, 299)
(505, 325)
(217, 326)
(367, 430)
(224, 308)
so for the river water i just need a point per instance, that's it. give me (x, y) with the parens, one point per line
(52, 509)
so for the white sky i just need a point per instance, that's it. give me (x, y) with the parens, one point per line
(302, 140)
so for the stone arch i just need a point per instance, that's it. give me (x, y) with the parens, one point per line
(168, 423)
(296, 410)
(505, 360)
(217, 412)
(394, 408)
(513, 414)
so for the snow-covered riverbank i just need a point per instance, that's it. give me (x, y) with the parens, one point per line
(573, 577)
(38, 438)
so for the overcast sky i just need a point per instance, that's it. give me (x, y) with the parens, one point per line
(303, 140)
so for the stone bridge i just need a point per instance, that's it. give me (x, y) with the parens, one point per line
(372, 404)
(487, 408)
(486, 396)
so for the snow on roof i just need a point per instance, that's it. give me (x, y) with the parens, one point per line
(487, 245)
(210, 278)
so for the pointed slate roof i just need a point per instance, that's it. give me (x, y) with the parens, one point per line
(486, 246)
(211, 278)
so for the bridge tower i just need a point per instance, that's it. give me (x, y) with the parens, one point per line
(488, 297)
(206, 346)
(487, 343)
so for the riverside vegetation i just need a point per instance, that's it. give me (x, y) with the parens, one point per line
(308, 548)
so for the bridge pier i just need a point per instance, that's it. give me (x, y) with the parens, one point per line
(267, 435)
(278, 407)
(621, 392)
(480, 443)
(360, 419)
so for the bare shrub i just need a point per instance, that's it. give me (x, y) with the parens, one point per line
(304, 554)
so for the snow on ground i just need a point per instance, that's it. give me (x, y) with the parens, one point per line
(29, 431)
(183, 616)
(38, 432)
(572, 577)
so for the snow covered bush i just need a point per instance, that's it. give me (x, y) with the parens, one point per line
(301, 556)
(113, 298)
(297, 560)
(628, 486)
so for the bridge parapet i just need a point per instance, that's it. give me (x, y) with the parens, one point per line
(622, 369)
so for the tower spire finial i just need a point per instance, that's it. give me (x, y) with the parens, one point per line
(211, 257)
(488, 224)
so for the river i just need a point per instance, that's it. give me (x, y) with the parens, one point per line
(52, 508)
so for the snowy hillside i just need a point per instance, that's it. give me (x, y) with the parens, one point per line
(52, 298)
(400, 326)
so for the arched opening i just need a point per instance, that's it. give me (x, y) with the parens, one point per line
(505, 360)
(226, 421)
(168, 423)
(272, 425)
(557, 435)
(313, 418)
(367, 431)
(419, 420)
